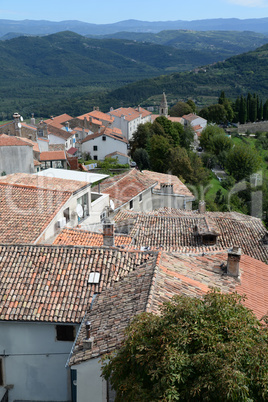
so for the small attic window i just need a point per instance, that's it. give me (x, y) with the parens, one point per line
(94, 277)
(65, 333)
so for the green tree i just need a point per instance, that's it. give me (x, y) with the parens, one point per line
(242, 161)
(169, 130)
(141, 157)
(140, 137)
(186, 137)
(207, 135)
(180, 109)
(159, 149)
(214, 113)
(198, 349)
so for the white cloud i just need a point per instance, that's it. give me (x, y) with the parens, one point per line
(250, 3)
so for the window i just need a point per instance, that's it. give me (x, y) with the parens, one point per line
(83, 201)
(95, 157)
(66, 214)
(65, 333)
(140, 198)
(103, 138)
(95, 147)
(1, 373)
(131, 204)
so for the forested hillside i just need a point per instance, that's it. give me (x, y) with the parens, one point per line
(236, 76)
(223, 43)
(69, 73)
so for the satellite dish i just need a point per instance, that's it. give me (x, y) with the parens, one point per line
(21, 118)
(112, 205)
(79, 210)
(19, 125)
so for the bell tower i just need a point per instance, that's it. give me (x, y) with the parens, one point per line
(163, 109)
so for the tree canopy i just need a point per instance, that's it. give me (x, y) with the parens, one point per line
(209, 349)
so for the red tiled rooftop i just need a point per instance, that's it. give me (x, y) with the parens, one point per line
(10, 141)
(30, 142)
(43, 182)
(124, 187)
(50, 283)
(52, 156)
(129, 113)
(26, 212)
(98, 116)
(76, 237)
(58, 121)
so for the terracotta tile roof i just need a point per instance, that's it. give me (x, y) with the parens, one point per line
(114, 133)
(129, 113)
(191, 117)
(10, 141)
(30, 142)
(72, 150)
(43, 182)
(52, 156)
(29, 126)
(76, 237)
(98, 115)
(56, 147)
(149, 286)
(161, 178)
(59, 132)
(111, 312)
(143, 112)
(36, 163)
(26, 212)
(58, 121)
(122, 188)
(174, 230)
(176, 119)
(51, 283)
(116, 153)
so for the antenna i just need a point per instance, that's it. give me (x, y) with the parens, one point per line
(79, 210)
(19, 125)
(21, 118)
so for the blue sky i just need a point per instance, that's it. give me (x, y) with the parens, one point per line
(108, 11)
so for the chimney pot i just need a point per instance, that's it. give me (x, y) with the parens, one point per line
(234, 255)
(88, 329)
(202, 207)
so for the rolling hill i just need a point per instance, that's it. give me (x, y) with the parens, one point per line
(42, 27)
(67, 72)
(236, 76)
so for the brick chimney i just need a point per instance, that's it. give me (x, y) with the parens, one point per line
(234, 255)
(108, 233)
(202, 207)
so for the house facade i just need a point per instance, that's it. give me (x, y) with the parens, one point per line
(15, 155)
(104, 142)
(128, 119)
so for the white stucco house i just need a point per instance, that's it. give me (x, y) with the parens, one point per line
(128, 119)
(105, 142)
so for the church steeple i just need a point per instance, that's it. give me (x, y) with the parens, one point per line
(163, 109)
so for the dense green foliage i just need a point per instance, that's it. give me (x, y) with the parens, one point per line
(209, 349)
(165, 147)
(39, 74)
(236, 76)
(66, 72)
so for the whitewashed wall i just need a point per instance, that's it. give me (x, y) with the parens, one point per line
(35, 362)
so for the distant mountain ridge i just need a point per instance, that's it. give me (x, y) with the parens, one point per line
(42, 27)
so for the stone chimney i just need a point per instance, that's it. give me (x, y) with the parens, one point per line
(108, 233)
(16, 117)
(202, 207)
(32, 120)
(88, 342)
(234, 255)
(166, 188)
